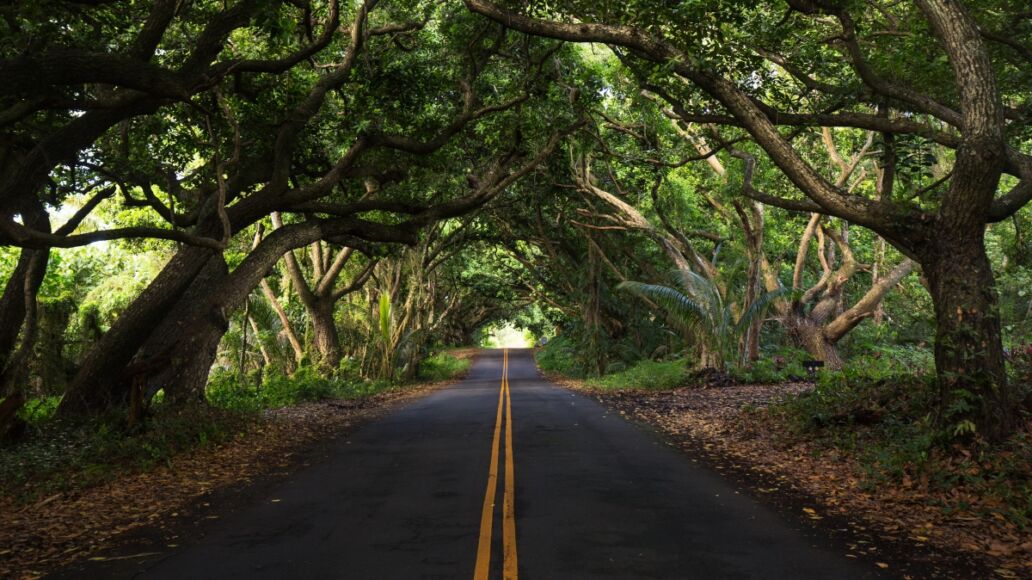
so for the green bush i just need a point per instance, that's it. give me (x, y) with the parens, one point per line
(560, 356)
(773, 366)
(646, 374)
(277, 390)
(39, 410)
(443, 366)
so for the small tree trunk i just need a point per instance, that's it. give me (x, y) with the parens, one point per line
(968, 345)
(879, 257)
(12, 302)
(27, 277)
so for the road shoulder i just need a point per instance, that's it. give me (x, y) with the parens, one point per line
(139, 516)
(813, 486)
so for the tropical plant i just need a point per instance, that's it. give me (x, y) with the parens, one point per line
(384, 316)
(702, 312)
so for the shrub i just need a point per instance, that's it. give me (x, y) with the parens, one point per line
(277, 390)
(897, 432)
(36, 411)
(1020, 359)
(443, 366)
(646, 374)
(560, 356)
(773, 366)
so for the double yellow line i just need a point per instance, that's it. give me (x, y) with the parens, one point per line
(509, 498)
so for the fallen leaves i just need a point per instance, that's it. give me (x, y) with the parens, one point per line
(722, 425)
(812, 514)
(73, 526)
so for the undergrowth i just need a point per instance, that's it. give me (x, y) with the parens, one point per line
(226, 390)
(56, 455)
(559, 356)
(646, 374)
(443, 366)
(885, 415)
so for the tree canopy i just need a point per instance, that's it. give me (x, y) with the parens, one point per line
(198, 192)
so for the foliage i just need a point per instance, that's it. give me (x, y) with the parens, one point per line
(1020, 358)
(889, 425)
(700, 310)
(443, 366)
(775, 365)
(559, 356)
(646, 374)
(61, 455)
(543, 255)
(39, 410)
(308, 383)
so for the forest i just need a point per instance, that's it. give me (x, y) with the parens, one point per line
(213, 208)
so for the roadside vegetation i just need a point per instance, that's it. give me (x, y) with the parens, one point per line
(66, 455)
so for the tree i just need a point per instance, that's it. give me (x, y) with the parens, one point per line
(257, 128)
(971, 116)
(320, 298)
(700, 309)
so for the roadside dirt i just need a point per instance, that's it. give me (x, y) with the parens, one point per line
(106, 522)
(893, 526)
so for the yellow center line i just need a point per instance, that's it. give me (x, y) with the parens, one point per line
(509, 503)
(487, 515)
(483, 565)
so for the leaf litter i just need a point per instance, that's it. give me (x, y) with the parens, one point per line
(722, 426)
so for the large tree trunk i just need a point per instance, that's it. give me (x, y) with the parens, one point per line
(968, 346)
(182, 342)
(194, 356)
(99, 383)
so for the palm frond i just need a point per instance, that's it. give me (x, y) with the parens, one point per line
(682, 311)
(758, 308)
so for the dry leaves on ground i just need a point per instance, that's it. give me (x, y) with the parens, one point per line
(722, 423)
(64, 528)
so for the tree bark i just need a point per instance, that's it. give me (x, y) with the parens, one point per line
(810, 336)
(288, 327)
(968, 344)
(325, 337)
(98, 384)
(27, 276)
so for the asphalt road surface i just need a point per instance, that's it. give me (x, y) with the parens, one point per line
(448, 487)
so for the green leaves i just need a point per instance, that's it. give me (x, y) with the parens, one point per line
(699, 310)
(385, 318)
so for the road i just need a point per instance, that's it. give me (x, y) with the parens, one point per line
(448, 487)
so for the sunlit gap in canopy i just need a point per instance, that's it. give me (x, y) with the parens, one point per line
(507, 336)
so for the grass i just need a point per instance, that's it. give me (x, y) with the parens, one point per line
(444, 366)
(646, 374)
